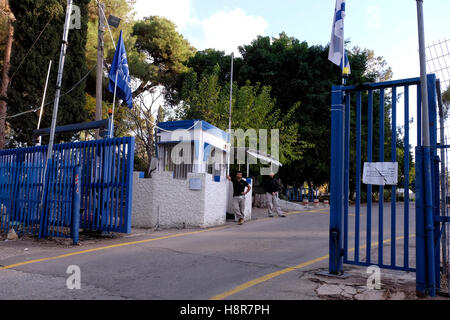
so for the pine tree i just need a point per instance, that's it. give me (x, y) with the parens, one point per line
(44, 20)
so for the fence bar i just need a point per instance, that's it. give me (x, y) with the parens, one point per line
(76, 201)
(383, 85)
(369, 187)
(406, 184)
(381, 188)
(358, 175)
(346, 173)
(336, 181)
(394, 187)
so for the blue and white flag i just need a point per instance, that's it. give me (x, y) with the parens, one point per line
(121, 72)
(337, 35)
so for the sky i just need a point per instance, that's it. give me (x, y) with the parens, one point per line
(388, 27)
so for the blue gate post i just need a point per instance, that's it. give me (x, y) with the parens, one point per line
(76, 204)
(129, 196)
(429, 221)
(432, 107)
(421, 277)
(43, 205)
(336, 181)
(427, 258)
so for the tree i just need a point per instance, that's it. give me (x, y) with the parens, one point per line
(40, 22)
(253, 108)
(7, 20)
(124, 10)
(446, 102)
(141, 121)
(119, 8)
(297, 72)
(162, 55)
(446, 97)
(156, 60)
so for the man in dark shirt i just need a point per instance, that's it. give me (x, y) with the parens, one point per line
(239, 193)
(272, 188)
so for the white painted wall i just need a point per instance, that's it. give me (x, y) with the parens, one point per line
(170, 203)
(216, 200)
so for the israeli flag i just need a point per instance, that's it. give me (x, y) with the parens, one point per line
(337, 36)
(120, 71)
(346, 70)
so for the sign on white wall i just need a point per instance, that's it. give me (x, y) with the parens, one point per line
(380, 173)
(195, 184)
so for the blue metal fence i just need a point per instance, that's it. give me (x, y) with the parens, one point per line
(361, 235)
(97, 173)
(298, 194)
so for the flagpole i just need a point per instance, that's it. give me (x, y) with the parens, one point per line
(230, 111)
(41, 113)
(344, 79)
(111, 131)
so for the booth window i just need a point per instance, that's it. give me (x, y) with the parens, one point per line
(180, 171)
(217, 169)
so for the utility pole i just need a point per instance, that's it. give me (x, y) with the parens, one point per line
(100, 55)
(59, 80)
(5, 71)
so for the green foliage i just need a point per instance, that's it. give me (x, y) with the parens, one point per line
(119, 8)
(297, 72)
(253, 108)
(446, 102)
(26, 88)
(120, 129)
(446, 97)
(162, 53)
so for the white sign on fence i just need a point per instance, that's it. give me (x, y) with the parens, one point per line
(380, 173)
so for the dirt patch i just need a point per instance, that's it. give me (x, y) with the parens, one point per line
(86, 238)
(394, 286)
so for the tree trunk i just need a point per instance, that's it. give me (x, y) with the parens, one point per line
(150, 149)
(5, 78)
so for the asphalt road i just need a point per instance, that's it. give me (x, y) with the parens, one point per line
(188, 264)
(263, 259)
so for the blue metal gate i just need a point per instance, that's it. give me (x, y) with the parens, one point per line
(358, 233)
(101, 171)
